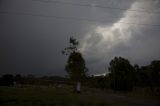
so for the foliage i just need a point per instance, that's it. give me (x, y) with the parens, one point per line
(143, 76)
(75, 66)
(155, 74)
(7, 80)
(72, 47)
(121, 73)
(149, 76)
(101, 82)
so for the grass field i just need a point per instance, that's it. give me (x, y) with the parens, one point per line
(49, 96)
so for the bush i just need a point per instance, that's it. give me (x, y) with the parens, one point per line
(7, 80)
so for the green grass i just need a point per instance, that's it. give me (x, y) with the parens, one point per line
(47, 96)
(141, 94)
(64, 96)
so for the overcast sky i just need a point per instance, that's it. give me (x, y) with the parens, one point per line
(34, 32)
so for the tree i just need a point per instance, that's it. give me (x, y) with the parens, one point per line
(7, 80)
(155, 75)
(121, 73)
(19, 79)
(75, 66)
(143, 76)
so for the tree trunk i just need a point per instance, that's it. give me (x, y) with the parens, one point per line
(78, 87)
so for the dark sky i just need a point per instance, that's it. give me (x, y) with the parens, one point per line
(33, 33)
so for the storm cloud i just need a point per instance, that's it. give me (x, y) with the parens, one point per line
(129, 37)
(33, 33)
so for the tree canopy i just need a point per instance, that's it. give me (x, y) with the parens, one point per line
(75, 67)
(121, 73)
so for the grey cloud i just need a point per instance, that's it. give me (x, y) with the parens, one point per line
(138, 43)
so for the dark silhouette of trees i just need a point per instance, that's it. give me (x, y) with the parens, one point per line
(143, 76)
(121, 74)
(7, 80)
(19, 79)
(75, 67)
(148, 76)
(155, 74)
(100, 82)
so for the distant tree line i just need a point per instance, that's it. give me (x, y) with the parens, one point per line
(7, 80)
(124, 77)
(11, 80)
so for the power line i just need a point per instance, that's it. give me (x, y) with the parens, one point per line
(98, 6)
(79, 4)
(75, 19)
